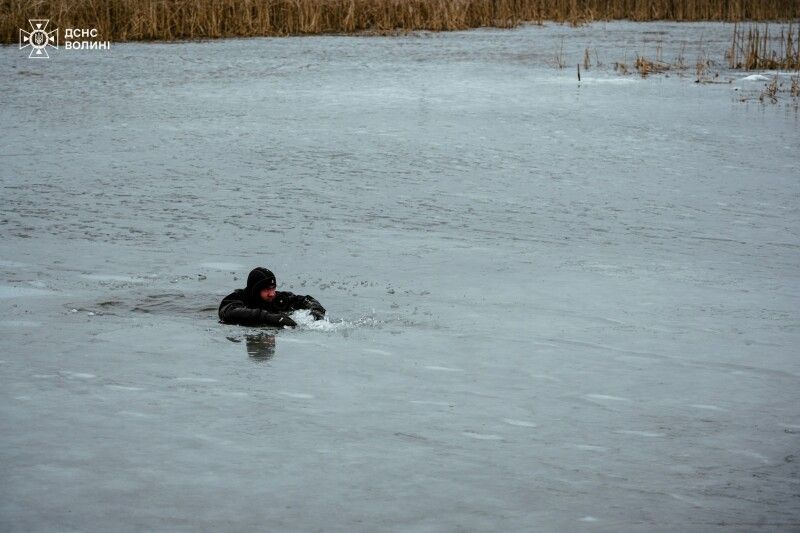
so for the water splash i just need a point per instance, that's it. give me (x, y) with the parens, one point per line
(306, 321)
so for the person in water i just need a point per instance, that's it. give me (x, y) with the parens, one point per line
(259, 304)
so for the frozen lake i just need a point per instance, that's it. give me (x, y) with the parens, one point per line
(552, 306)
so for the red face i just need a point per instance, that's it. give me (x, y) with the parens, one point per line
(268, 294)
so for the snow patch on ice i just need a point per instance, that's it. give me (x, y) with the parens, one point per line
(79, 375)
(545, 377)
(590, 447)
(481, 436)
(588, 519)
(135, 414)
(520, 423)
(608, 81)
(430, 402)
(755, 455)
(114, 277)
(196, 380)
(639, 433)
(755, 77)
(376, 351)
(686, 499)
(607, 397)
(124, 388)
(444, 368)
(707, 407)
(223, 266)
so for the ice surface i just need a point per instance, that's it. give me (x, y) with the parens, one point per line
(551, 306)
(13, 291)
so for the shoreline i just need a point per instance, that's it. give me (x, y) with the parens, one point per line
(160, 21)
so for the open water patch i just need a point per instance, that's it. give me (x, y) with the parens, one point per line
(175, 303)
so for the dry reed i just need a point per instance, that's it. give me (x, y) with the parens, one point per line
(123, 20)
(756, 49)
(645, 67)
(770, 92)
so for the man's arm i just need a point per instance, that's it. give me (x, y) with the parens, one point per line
(297, 301)
(234, 311)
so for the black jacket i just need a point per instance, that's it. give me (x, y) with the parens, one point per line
(246, 308)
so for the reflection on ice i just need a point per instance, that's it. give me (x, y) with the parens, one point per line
(261, 347)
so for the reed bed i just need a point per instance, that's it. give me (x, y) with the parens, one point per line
(166, 20)
(756, 49)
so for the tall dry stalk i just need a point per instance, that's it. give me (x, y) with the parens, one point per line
(757, 49)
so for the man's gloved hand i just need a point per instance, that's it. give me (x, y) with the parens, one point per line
(317, 314)
(277, 320)
(285, 320)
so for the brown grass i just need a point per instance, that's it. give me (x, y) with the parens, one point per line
(756, 49)
(645, 67)
(770, 93)
(123, 20)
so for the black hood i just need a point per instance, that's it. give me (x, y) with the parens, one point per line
(258, 279)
